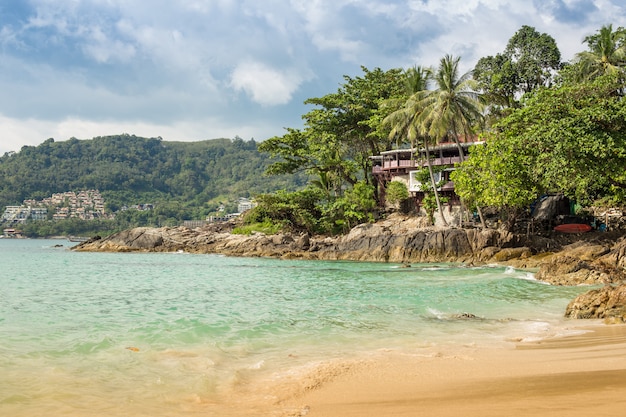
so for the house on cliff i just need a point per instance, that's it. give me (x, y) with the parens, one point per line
(403, 164)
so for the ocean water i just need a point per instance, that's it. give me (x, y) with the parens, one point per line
(104, 334)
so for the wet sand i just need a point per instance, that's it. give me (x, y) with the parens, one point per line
(583, 375)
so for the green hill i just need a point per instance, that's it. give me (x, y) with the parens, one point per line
(132, 170)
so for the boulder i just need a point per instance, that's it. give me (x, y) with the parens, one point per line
(567, 270)
(607, 303)
(508, 254)
(581, 263)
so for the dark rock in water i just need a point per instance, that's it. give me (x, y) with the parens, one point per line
(465, 316)
(606, 303)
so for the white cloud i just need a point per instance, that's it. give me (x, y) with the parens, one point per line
(103, 49)
(197, 69)
(265, 85)
(17, 133)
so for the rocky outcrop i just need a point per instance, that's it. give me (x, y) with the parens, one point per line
(584, 263)
(387, 241)
(616, 257)
(401, 239)
(381, 243)
(607, 303)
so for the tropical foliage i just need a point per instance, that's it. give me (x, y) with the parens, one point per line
(340, 133)
(606, 53)
(570, 139)
(548, 131)
(530, 60)
(396, 193)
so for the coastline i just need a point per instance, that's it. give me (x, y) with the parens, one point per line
(577, 375)
(468, 376)
(593, 259)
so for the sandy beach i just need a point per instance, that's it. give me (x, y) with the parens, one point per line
(579, 375)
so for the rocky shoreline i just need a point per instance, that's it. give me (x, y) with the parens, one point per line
(587, 259)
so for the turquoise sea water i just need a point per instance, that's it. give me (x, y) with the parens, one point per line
(84, 334)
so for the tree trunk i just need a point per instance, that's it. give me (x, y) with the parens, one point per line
(434, 184)
(462, 157)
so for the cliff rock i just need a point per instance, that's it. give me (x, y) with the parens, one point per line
(399, 240)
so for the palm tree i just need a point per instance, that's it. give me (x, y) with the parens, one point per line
(452, 108)
(404, 121)
(606, 54)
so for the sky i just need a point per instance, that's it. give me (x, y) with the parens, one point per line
(188, 70)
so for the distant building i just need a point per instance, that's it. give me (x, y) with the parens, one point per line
(192, 224)
(86, 205)
(245, 204)
(19, 214)
(9, 233)
(139, 207)
(225, 218)
(38, 213)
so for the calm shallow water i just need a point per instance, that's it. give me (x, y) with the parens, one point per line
(170, 334)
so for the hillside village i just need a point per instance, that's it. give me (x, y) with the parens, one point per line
(88, 205)
(85, 205)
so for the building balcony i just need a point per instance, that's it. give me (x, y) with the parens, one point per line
(407, 164)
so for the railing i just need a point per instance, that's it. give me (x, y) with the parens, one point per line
(399, 164)
(407, 163)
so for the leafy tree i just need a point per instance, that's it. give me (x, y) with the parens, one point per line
(453, 107)
(496, 78)
(529, 61)
(535, 56)
(498, 174)
(340, 133)
(407, 120)
(297, 211)
(396, 192)
(354, 207)
(449, 110)
(404, 110)
(570, 139)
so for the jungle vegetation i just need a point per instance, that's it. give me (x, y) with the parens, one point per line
(548, 126)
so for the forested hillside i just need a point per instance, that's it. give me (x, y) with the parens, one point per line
(130, 170)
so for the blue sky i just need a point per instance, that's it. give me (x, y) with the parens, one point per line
(202, 69)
